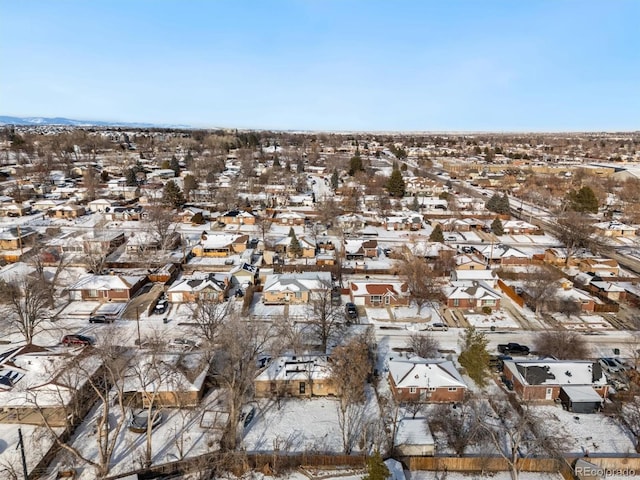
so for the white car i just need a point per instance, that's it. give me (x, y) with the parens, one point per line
(182, 344)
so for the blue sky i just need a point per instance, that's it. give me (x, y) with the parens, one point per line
(326, 65)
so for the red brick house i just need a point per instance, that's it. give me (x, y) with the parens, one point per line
(106, 288)
(472, 295)
(422, 380)
(379, 294)
(542, 379)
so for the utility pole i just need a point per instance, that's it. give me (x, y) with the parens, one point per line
(22, 454)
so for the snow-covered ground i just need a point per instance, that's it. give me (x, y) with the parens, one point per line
(498, 319)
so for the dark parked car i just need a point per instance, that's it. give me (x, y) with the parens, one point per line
(161, 307)
(76, 340)
(99, 319)
(513, 349)
(351, 311)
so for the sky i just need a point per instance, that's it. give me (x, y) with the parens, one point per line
(383, 65)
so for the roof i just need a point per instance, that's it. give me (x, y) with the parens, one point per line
(424, 373)
(221, 240)
(379, 288)
(556, 372)
(413, 431)
(471, 290)
(106, 282)
(579, 394)
(297, 282)
(196, 284)
(300, 367)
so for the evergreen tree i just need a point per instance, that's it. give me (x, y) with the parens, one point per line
(334, 180)
(294, 247)
(499, 204)
(474, 356)
(355, 165)
(584, 200)
(130, 177)
(437, 235)
(175, 166)
(496, 227)
(172, 195)
(376, 468)
(415, 206)
(395, 185)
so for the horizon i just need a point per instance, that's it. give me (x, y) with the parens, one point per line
(327, 66)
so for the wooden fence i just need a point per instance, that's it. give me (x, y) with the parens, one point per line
(511, 293)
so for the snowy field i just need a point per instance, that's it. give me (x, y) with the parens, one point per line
(499, 319)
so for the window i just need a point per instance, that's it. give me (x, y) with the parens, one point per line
(387, 300)
(432, 389)
(488, 302)
(453, 389)
(376, 298)
(302, 388)
(93, 293)
(412, 389)
(456, 302)
(298, 294)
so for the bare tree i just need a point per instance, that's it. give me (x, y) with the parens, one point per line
(351, 366)
(423, 345)
(107, 385)
(325, 317)
(208, 316)
(264, 225)
(562, 344)
(540, 286)
(240, 344)
(423, 287)
(161, 224)
(628, 415)
(25, 306)
(574, 231)
(457, 423)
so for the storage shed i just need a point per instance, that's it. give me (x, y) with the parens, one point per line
(414, 439)
(580, 399)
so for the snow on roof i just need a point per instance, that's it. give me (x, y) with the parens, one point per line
(293, 368)
(413, 431)
(297, 282)
(556, 372)
(167, 372)
(582, 393)
(215, 281)
(222, 240)
(471, 290)
(424, 373)
(106, 282)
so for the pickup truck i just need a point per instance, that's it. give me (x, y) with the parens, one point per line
(513, 349)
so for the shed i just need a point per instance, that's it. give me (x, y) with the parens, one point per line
(414, 439)
(580, 399)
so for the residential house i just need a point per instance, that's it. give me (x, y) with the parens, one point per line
(244, 274)
(14, 209)
(124, 214)
(543, 379)
(417, 379)
(106, 288)
(358, 249)
(307, 247)
(403, 222)
(470, 262)
(502, 255)
(373, 293)
(615, 229)
(100, 205)
(220, 245)
(519, 227)
(603, 267)
(211, 287)
(294, 288)
(167, 380)
(471, 295)
(143, 241)
(17, 238)
(237, 217)
(290, 218)
(68, 211)
(485, 275)
(608, 290)
(102, 242)
(295, 376)
(42, 385)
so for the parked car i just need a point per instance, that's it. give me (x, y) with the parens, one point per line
(140, 420)
(182, 344)
(76, 340)
(437, 326)
(99, 319)
(351, 310)
(247, 414)
(161, 307)
(513, 348)
(609, 365)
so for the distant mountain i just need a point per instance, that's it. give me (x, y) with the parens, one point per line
(7, 120)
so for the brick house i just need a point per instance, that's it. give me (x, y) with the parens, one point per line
(470, 295)
(220, 245)
(106, 288)
(237, 217)
(379, 294)
(296, 376)
(357, 249)
(615, 229)
(502, 255)
(67, 211)
(425, 380)
(542, 379)
(213, 287)
(294, 288)
(599, 266)
(17, 238)
(290, 218)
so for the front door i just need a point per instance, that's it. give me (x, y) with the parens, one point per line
(302, 388)
(549, 394)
